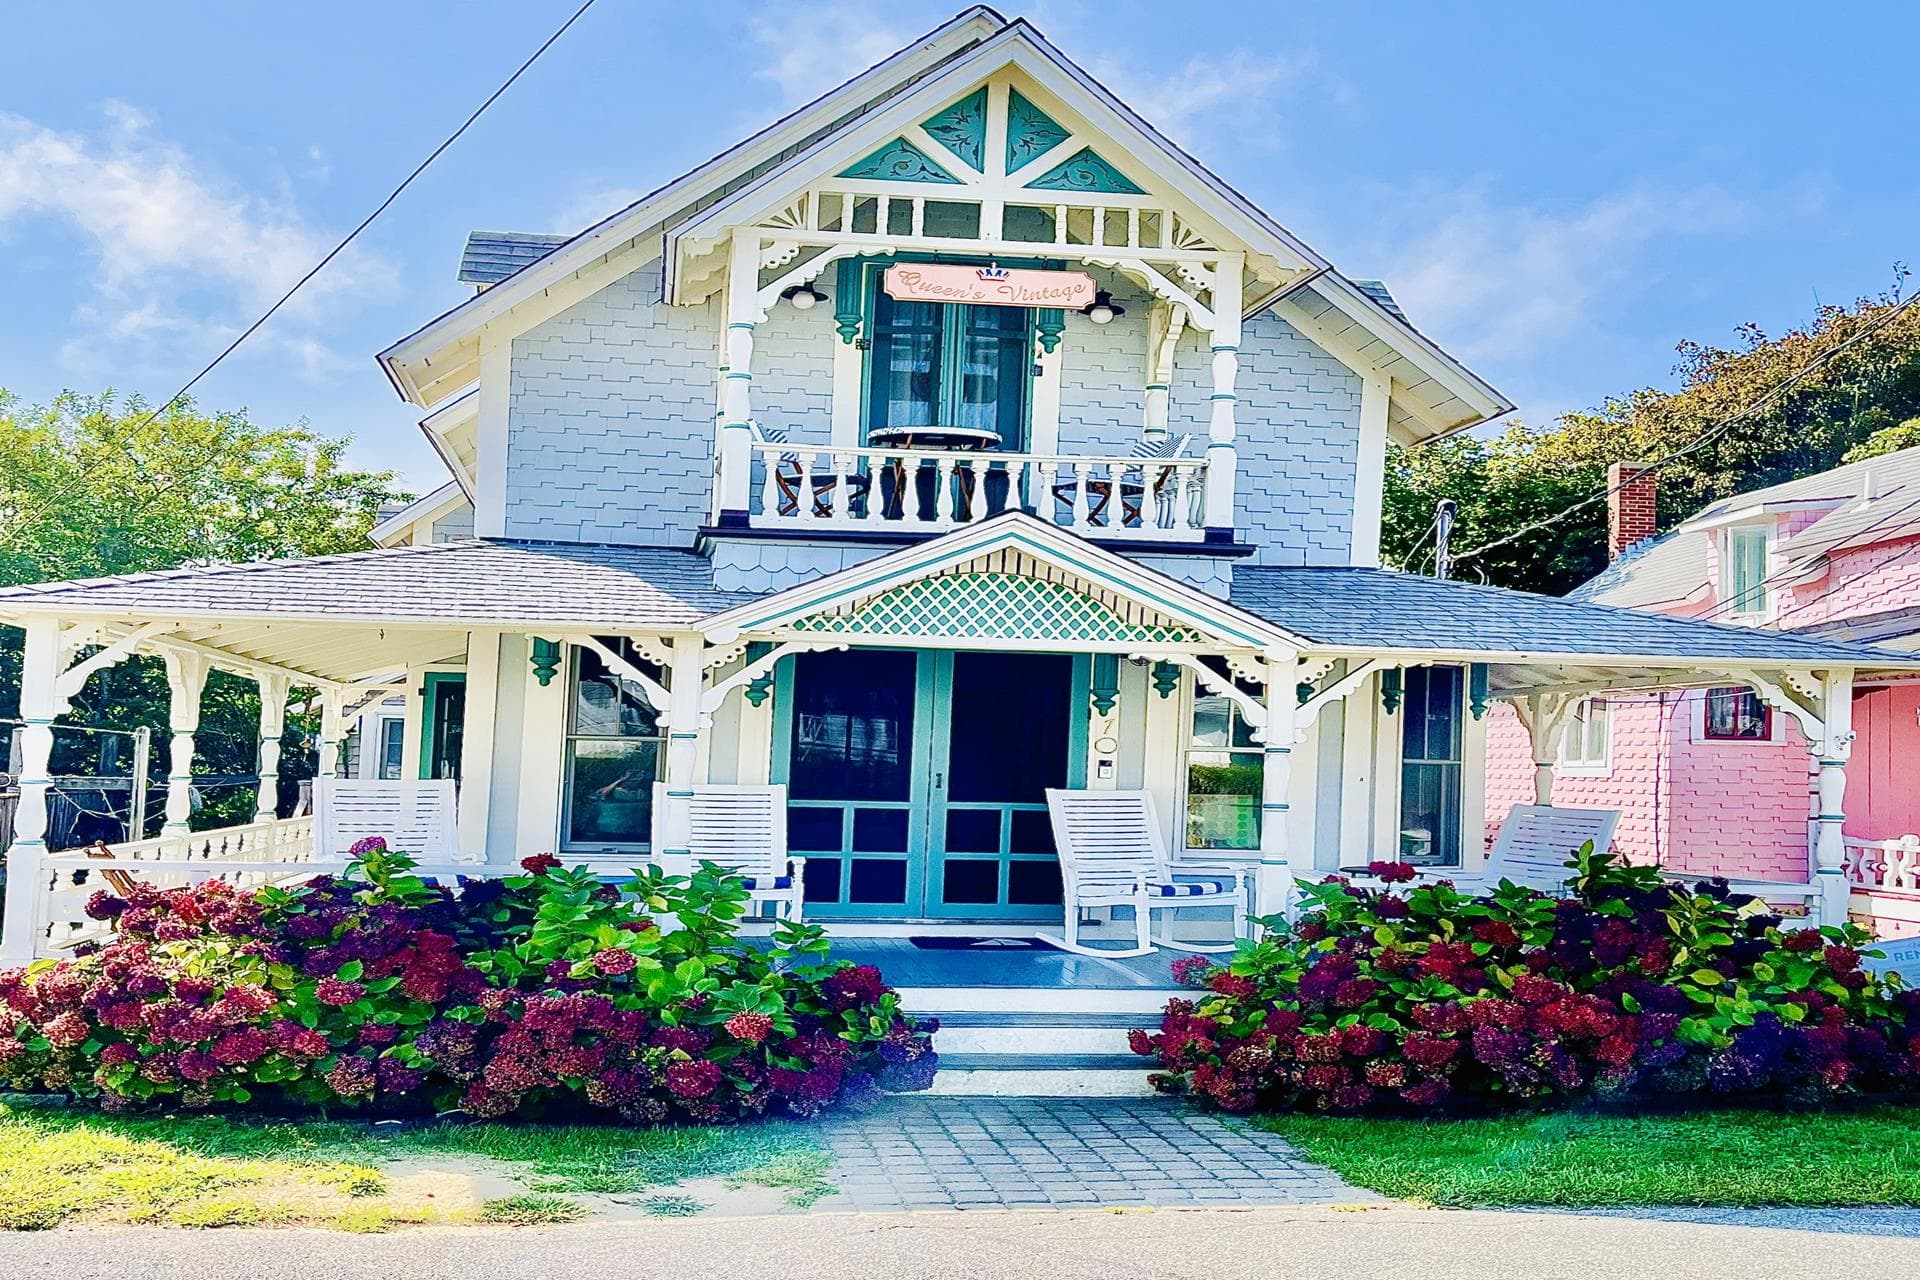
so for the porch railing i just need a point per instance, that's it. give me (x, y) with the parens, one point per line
(827, 487)
(1884, 866)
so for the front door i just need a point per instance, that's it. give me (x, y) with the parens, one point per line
(917, 780)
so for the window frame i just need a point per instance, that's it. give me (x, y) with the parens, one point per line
(1769, 723)
(1755, 600)
(1195, 693)
(1574, 760)
(950, 337)
(570, 735)
(1457, 763)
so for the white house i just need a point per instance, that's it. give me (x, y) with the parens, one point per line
(955, 437)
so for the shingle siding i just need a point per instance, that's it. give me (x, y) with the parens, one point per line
(1297, 434)
(610, 420)
(1103, 375)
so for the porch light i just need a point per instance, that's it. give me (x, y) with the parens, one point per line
(1103, 308)
(803, 297)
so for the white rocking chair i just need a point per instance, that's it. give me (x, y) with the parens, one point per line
(414, 817)
(1113, 853)
(1533, 848)
(743, 829)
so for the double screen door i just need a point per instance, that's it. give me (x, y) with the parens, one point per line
(917, 780)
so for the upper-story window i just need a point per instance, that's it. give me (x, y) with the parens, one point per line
(944, 364)
(1743, 574)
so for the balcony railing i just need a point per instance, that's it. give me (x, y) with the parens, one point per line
(1884, 866)
(921, 490)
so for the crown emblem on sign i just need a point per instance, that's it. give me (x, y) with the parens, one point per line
(993, 273)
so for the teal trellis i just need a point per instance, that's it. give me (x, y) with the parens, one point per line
(760, 688)
(1390, 690)
(1031, 132)
(962, 128)
(1106, 682)
(1085, 171)
(1477, 680)
(899, 161)
(546, 660)
(1166, 678)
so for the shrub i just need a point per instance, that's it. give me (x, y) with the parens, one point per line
(1429, 1000)
(542, 993)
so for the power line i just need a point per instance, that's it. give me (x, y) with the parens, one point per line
(354, 234)
(1713, 433)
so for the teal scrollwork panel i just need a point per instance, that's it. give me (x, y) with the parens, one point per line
(962, 129)
(899, 161)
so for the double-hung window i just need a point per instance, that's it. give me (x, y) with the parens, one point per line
(614, 746)
(1586, 743)
(1432, 765)
(1225, 768)
(1744, 574)
(948, 364)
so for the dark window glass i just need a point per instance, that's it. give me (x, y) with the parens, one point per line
(613, 748)
(971, 881)
(815, 830)
(880, 830)
(1033, 883)
(823, 880)
(878, 880)
(1032, 832)
(853, 725)
(1000, 760)
(449, 720)
(973, 831)
(949, 365)
(1431, 769)
(1738, 715)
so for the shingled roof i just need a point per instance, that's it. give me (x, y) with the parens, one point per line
(1376, 608)
(492, 256)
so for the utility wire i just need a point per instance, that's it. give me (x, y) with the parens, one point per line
(354, 234)
(1712, 433)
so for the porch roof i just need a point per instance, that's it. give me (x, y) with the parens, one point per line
(1372, 609)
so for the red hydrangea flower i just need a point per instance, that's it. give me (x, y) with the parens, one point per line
(1226, 983)
(539, 864)
(856, 984)
(118, 1054)
(238, 1047)
(1393, 872)
(697, 1078)
(1842, 959)
(750, 1027)
(1499, 933)
(65, 1030)
(337, 993)
(1802, 940)
(614, 961)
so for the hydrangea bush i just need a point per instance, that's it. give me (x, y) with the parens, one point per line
(545, 993)
(1427, 1000)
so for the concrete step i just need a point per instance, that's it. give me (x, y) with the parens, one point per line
(1018, 1075)
(1045, 1034)
(940, 1002)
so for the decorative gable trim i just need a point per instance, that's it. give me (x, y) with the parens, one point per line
(962, 129)
(1086, 171)
(1031, 132)
(899, 161)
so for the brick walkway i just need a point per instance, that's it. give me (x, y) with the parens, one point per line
(1036, 1153)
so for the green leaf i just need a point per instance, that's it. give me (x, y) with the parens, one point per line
(350, 971)
(1707, 977)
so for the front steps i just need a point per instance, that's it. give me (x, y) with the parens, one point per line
(1037, 1042)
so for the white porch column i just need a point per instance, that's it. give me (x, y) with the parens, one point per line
(333, 728)
(1832, 752)
(39, 705)
(273, 723)
(186, 680)
(1222, 460)
(1273, 881)
(683, 752)
(1544, 716)
(479, 744)
(736, 435)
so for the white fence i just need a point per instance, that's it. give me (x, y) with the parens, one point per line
(821, 487)
(1885, 866)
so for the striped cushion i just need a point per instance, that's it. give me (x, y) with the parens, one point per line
(776, 883)
(1188, 888)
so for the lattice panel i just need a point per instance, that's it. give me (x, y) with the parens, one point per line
(992, 606)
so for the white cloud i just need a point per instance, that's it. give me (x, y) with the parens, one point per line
(1507, 282)
(811, 48)
(180, 255)
(1176, 102)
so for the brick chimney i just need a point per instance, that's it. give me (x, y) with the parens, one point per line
(1630, 518)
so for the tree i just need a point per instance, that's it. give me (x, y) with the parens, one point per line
(94, 485)
(1769, 410)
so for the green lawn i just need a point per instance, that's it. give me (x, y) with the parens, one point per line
(72, 1166)
(1697, 1158)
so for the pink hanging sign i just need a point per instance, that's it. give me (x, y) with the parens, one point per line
(988, 286)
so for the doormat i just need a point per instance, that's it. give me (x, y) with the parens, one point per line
(981, 944)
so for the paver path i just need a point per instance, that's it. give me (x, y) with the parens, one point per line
(1036, 1153)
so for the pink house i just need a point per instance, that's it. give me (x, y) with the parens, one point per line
(1714, 780)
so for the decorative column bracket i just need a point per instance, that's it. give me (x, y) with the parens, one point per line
(1545, 717)
(656, 692)
(1308, 710)
(716, 694)
(75, 677)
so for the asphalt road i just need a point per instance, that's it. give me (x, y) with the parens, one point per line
(1394, 1243)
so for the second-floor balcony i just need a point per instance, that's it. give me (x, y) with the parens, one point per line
(932, 481)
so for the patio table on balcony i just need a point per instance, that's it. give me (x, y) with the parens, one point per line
(952, 439)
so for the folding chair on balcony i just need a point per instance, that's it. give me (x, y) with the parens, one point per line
(1137, 481)
(1113, 853)
(744, 829)
(788, 476)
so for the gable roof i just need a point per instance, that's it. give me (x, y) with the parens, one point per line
(1353, 323)
(1859, 504)
(1382, 609)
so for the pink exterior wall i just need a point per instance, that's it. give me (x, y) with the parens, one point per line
(1742, 809)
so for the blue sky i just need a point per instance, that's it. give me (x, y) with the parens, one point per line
(1559, 193)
